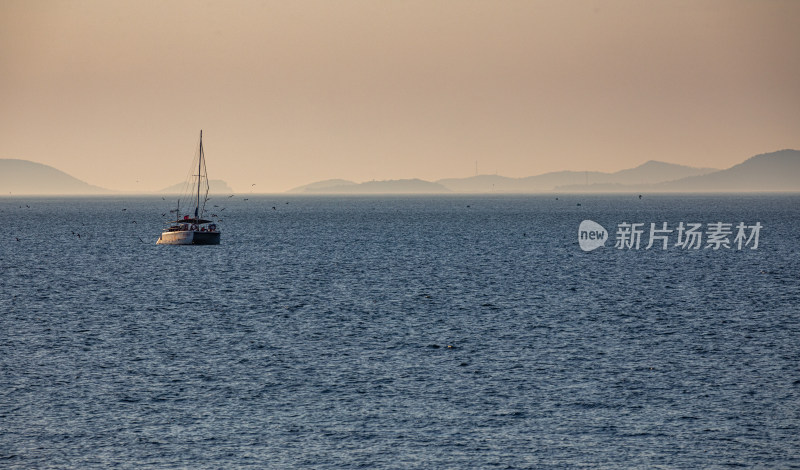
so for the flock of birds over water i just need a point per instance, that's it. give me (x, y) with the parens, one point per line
(78, 235)
(164, 214)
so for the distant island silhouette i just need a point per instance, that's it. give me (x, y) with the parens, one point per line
(214, 187)
(26, 177)
(405, 186)
(23, 177)
(775, 171)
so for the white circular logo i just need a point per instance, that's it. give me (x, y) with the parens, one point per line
(591, 235)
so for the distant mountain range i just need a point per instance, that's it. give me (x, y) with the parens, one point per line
(777, 171)
(648, 173)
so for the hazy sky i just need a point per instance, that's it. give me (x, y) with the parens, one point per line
(291, 92)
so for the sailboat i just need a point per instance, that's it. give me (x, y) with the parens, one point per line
(193, 230)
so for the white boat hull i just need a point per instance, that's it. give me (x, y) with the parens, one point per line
(189, 237)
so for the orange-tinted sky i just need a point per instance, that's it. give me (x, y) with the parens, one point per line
(291, 92)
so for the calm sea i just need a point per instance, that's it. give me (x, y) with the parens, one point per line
(399, 332)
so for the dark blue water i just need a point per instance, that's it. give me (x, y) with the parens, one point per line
(407, 332)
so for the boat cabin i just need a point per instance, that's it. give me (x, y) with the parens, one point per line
(190, 224)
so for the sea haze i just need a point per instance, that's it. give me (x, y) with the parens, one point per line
(397, 332)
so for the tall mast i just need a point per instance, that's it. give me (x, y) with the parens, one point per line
(199, 172)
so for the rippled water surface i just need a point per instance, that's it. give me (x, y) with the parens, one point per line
(397, 332)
